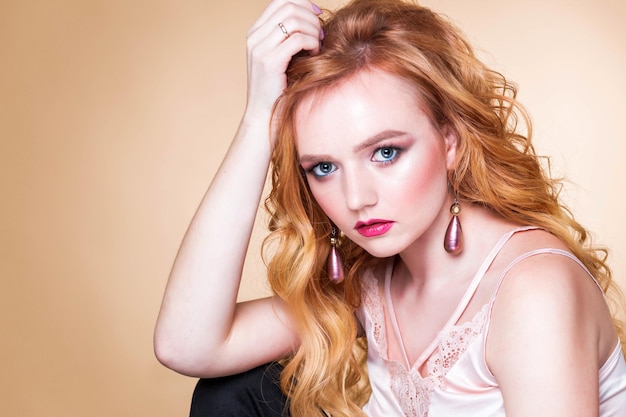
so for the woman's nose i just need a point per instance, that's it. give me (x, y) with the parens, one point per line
(359, 190)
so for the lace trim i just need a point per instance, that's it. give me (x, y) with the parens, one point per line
(413, 391)
(371, 301)
(453, 342)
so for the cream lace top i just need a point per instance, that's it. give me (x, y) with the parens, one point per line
(458, 380)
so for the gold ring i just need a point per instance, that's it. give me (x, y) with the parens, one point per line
(284, 30)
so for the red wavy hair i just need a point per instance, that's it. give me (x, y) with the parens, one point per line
(496, 168)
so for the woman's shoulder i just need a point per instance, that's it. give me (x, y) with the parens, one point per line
(536, 254)
(546, 294)
(540, 269)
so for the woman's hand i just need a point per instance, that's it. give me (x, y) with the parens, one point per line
(283, 29)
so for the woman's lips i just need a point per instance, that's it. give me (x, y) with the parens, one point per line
(374, 227)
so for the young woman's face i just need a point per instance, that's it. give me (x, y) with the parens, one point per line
(375, 163)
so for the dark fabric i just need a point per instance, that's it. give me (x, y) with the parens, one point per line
(255, 393)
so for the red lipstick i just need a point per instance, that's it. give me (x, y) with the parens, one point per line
(373, 227)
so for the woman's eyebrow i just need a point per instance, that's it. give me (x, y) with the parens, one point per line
(314, 158)
(379, 137)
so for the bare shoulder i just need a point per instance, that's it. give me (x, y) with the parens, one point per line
(546, 275)
(543, 281)
(549, 291)
(550, 327)
(548, 282)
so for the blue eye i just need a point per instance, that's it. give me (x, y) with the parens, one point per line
(385, 154)
(322, 169)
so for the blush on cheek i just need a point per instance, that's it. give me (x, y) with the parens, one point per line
(419, 172)
(424, 180)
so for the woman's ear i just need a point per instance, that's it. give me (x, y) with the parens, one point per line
(450, 140)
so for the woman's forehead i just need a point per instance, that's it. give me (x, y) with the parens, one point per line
(360, 108)
(365, 84)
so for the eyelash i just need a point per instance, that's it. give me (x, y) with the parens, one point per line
(387, 160)
(317, 166)
(384, 160)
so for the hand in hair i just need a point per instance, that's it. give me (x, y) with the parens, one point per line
(283, 29)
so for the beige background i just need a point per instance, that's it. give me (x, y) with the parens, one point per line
(114, 115)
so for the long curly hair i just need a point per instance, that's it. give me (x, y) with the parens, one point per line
(496, 167)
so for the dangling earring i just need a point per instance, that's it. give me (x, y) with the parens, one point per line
(335, 264)
(453, 241)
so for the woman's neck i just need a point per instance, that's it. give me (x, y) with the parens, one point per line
(427, 265)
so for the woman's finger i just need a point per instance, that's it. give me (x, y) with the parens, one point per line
(284, 29)
(283, 23)
(277, 4)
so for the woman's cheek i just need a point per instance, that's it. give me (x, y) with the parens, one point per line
(322, 195)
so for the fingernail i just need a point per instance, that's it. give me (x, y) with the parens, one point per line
(322, 33)
(316, 9)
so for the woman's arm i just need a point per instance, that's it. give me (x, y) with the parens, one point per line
(201, 330)
(550, 333)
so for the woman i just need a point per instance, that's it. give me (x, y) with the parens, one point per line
(387, 135)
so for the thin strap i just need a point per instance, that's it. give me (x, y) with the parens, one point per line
(392, 312)
(463, 303)
(553, 251)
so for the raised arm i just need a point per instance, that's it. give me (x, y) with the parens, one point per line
(201, 330)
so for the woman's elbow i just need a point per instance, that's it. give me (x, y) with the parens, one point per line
(185, 361)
